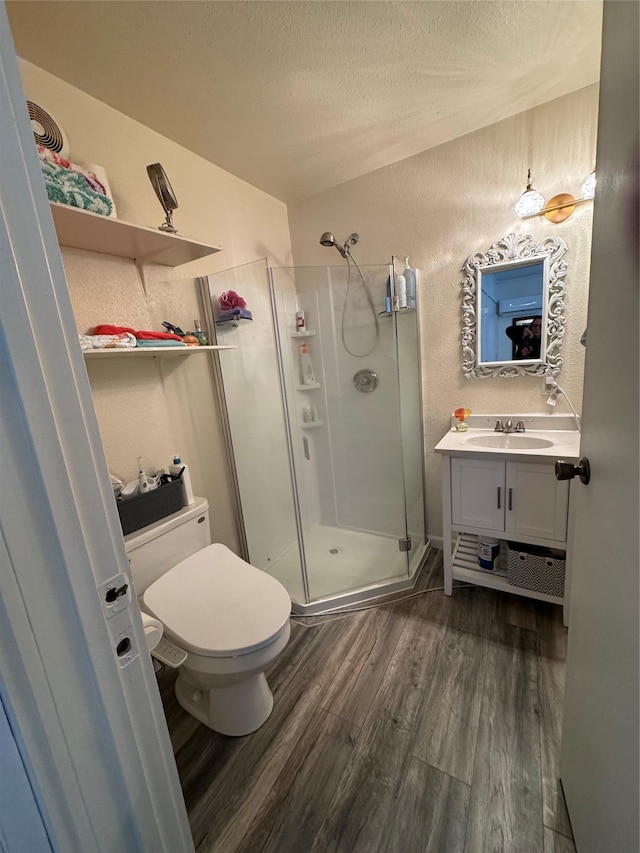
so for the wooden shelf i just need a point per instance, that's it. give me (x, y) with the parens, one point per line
(141, 352)
(81, 229)
(465, 568)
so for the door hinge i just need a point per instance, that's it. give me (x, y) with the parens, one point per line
(404, 544)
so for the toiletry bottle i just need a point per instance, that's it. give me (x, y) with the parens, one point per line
(306, 367)
(145, 484)
(401, 290)
(387, 301)
(199, 334)
(174, 469)
(300, 324)
(410, 278)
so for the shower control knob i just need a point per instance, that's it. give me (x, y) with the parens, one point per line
(365, 380)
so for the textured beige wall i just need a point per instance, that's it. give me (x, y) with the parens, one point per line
(147, 407)
(447, 203)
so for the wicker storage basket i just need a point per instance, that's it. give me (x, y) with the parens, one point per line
(145, 509)
(536, 568)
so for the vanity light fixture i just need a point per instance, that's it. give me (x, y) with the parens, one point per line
(558, 208)
(530, 202)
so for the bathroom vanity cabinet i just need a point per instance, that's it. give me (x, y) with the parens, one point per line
(511, 495)
(521, 499)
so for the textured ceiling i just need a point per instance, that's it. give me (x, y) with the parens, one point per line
(296, 97)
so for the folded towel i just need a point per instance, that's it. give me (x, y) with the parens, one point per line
(118, 341)
(159, 343)
(68, 183)
(234, 314)
(106, 329)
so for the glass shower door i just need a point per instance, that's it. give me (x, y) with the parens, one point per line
(410, 411)
(256, 427)
(346, 432)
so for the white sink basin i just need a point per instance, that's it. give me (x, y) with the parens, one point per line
(511, 441)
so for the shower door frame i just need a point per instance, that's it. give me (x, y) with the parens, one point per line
(372, 591)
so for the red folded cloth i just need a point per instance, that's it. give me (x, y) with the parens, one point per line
(106, 329)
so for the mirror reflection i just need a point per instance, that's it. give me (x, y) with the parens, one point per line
(511, 308)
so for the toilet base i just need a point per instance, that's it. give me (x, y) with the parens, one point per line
(234, 709)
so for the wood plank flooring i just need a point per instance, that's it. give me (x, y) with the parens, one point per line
(429, 725)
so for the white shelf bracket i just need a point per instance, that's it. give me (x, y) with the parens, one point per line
(139, 262)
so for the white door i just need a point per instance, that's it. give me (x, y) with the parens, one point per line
(85, 710)
(599, 757)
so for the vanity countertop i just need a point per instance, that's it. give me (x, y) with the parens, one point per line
(555, 433)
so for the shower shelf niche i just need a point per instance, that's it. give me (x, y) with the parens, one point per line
(303, 334)
(312, 425)
(311, 387)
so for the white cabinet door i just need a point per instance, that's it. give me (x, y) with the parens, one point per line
(477, 492)
(536, 503)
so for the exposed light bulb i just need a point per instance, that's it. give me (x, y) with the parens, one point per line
(588, 189)
(530, 201)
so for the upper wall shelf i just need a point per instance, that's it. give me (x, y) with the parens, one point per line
(80, 229)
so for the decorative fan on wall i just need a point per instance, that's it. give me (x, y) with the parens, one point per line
(47, 131)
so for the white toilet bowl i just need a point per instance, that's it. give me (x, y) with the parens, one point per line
(231, 618)
(233, 621)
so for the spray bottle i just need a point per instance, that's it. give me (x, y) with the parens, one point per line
(178, 468)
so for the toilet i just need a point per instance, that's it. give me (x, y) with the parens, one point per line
(231, 618)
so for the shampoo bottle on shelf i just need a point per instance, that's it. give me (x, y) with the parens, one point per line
(306, 367)
(411, 280)
(401, 290)
(174, 469)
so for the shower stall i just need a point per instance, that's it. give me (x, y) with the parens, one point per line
(323, 412)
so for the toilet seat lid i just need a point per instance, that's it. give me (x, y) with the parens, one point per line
(217, 605)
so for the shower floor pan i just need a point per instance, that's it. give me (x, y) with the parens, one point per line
(344, 566)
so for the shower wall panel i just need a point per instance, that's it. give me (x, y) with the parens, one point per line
(254, 406)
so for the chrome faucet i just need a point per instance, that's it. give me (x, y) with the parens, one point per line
(508, 426)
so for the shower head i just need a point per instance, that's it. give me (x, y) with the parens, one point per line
(328, 239)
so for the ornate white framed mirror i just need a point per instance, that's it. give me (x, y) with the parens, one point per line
(513, 308)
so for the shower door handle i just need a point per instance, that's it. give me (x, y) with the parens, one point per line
(305, 444)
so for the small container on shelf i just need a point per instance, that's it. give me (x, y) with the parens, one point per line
(488, 553)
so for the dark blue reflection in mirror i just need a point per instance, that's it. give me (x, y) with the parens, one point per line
(512, 311)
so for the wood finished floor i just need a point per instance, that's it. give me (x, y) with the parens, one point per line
(427, 725)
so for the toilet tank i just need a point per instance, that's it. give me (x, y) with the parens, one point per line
(155, 549)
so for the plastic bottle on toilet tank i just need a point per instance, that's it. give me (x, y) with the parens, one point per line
(174, 469)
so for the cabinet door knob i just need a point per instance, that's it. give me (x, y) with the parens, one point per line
(567, 470)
